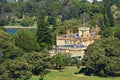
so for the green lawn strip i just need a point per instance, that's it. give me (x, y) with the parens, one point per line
(69, 74)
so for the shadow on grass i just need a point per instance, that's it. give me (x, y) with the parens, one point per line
(58, 69)
(84, 71)
(89, 72)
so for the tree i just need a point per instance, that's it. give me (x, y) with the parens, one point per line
(26, 40)
(116, 32)
(7, 47)
(102, 58)
(59, 60)
(44, 34)
(106, 32)
(3, 1)
(19, 9)
(27, 21)
(108, 12)
(40, 61)
(15, 70)
(7, 7)
(115, 13)
(111, 32)
(97, 18)
(67, 24)
(13, 52)
(3, 22)
(5, 42)
(54, 9)
(31, 7)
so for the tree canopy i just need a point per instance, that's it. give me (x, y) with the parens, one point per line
(26, 40)
(102, 58)
(7, 47)
(40, 61)
(15, 70)
(23, 12)
(59, 60)
(44, 32)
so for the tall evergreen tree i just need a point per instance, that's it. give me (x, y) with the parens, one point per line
(107, 5)
(44, 35)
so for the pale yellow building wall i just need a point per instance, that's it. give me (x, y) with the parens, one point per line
(88, 42)
(73, 51)
(87, 32)
(80, 33)
(60, 42)
(76, 52)
(77, 42)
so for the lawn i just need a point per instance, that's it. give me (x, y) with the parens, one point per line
(69, 74)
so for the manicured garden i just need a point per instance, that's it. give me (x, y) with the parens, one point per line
(69, 73)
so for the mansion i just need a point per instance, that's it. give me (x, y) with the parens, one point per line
(75, 44)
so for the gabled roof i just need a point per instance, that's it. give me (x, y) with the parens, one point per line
(76, 35)
(71, 35)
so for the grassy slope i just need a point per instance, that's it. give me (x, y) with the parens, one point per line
(69, 74)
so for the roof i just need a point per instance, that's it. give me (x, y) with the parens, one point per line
(76, 35)
(81, 46)
(71, 35)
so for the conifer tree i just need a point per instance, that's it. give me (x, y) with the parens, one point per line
(44, 34)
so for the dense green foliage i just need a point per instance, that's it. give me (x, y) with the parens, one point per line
(15, 70)
(15, 63)
(40, 61)
(111, 32)
(27, 21)
(22, 13)
(102, 58)
(44, 32)
(7, 47)
(59, 60)
(26, 40)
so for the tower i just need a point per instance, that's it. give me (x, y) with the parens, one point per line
(84, 31)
